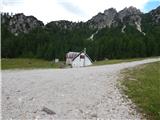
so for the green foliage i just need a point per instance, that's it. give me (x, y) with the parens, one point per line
(52, 42)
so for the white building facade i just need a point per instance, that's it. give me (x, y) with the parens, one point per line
(76, 59)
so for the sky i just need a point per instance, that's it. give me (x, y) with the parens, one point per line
(72, 10)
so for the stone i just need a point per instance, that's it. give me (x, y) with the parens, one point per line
(48, 111)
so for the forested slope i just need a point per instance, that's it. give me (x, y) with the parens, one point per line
(105, 36)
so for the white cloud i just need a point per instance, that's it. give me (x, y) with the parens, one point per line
(73, 10)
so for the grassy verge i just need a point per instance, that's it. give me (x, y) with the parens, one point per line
(28, 64)
(115, 61)
(142, 85)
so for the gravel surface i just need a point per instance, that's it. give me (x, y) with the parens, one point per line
(75, 93)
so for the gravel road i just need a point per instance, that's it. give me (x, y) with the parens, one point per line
(75, 93)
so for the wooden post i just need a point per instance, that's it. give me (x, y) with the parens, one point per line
(84, 56)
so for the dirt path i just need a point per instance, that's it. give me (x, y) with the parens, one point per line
(79, 93)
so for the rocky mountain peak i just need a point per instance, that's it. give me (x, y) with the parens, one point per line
(110, 11)
(126, 12)
(133, 10)
(155, 15)
(111, 17)
(105, 19)
(21, 23)
(5, 17)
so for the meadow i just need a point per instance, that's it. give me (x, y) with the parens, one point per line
(142, 86)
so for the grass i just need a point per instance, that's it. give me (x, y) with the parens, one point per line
(142, 85)
(24, 63)
(20, 63)
(115, 61)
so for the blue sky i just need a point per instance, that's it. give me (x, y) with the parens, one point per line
(72, 10)
(152, 4)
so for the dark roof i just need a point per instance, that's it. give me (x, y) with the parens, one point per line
(79, 54)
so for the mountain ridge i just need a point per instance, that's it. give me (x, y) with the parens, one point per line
(109, 18)
(125, 34)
